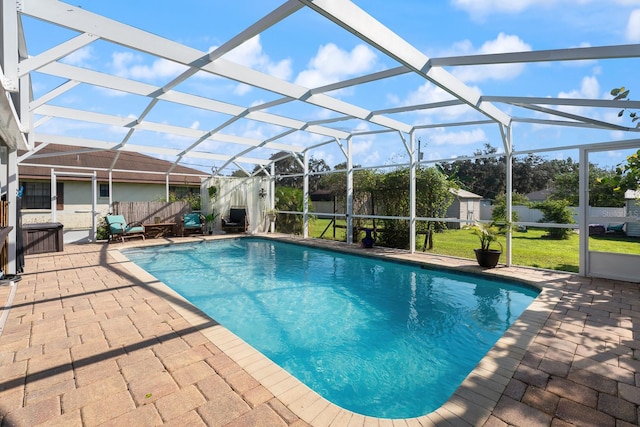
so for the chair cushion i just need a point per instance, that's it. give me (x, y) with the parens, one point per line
(116, 223)
(617, 227)
(237, 215)
(136, 229)
(192, 220)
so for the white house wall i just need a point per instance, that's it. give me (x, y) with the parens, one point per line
(77, 203)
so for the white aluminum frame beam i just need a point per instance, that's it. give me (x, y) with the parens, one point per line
(355, 20)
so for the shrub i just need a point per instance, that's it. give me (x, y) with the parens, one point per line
(556, 211)
(102, 230)
(394, 234)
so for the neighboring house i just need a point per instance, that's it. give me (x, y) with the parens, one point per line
(539, 196)
(134, 177)
(465, 205)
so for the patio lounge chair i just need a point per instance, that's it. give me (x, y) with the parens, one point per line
(119, 229)
(236, 221)
(192, 223)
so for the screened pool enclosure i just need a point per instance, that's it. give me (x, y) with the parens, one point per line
(96, 77)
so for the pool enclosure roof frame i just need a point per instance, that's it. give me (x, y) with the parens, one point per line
(18, 109)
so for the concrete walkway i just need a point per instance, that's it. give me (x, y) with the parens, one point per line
(87, 342)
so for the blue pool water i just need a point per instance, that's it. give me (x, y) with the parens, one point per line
(379, 338)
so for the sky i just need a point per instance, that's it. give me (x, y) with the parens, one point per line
(308, 50)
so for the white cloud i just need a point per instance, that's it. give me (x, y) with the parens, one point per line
(250, 54)
(130, 65)
(501, 44)
(332, 64)
(428, 93)
(633, 26)
(469, 137)
(481, 8)
(80, 57)
(589, 89)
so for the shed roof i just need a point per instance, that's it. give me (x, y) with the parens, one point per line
(464, 194)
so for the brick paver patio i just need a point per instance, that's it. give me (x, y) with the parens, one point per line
(90, 341)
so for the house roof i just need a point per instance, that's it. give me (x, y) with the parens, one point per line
(539, 196)
(128, 166)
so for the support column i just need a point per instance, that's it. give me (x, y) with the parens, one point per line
(12, 190)
(349, 192)
(166, 188)
(305, 197)
(509, 189)
(110, 191)
(94, 207)
(412, 192)
(9, 44)
(583, 208)
(272, 186)
(54, 196)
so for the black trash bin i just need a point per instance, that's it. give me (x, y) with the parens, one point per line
(42, 238)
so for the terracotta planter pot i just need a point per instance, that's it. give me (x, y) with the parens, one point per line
(487, 259)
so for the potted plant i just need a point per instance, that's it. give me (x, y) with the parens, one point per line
(213, 192)
(487, 233)
(272, 214)
(210, 219)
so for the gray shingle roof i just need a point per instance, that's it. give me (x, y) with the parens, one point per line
(130, 167)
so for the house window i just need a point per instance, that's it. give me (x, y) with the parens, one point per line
(182, 192)
(104, 190)
(37, 195)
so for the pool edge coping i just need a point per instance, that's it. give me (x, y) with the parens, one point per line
(472, 402)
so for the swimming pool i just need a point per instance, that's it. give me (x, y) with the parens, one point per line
(379, 338)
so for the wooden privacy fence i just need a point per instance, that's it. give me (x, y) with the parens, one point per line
(147, 212)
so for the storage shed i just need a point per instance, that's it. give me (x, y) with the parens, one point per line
(633, 211)
(466, 205)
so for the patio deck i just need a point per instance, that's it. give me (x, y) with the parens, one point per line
(89, 340)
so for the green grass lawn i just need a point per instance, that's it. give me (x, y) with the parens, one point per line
(529, 249)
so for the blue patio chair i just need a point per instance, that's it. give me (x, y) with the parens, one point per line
(192, 223)
(119, 229)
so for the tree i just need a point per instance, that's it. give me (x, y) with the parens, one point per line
(290, 164)
(289, 199)
(601, 187)
(625, 177)
(622, 94)
(486, 176)
(433, 197)
(483, 176)
(499, 213)
(556, 211)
